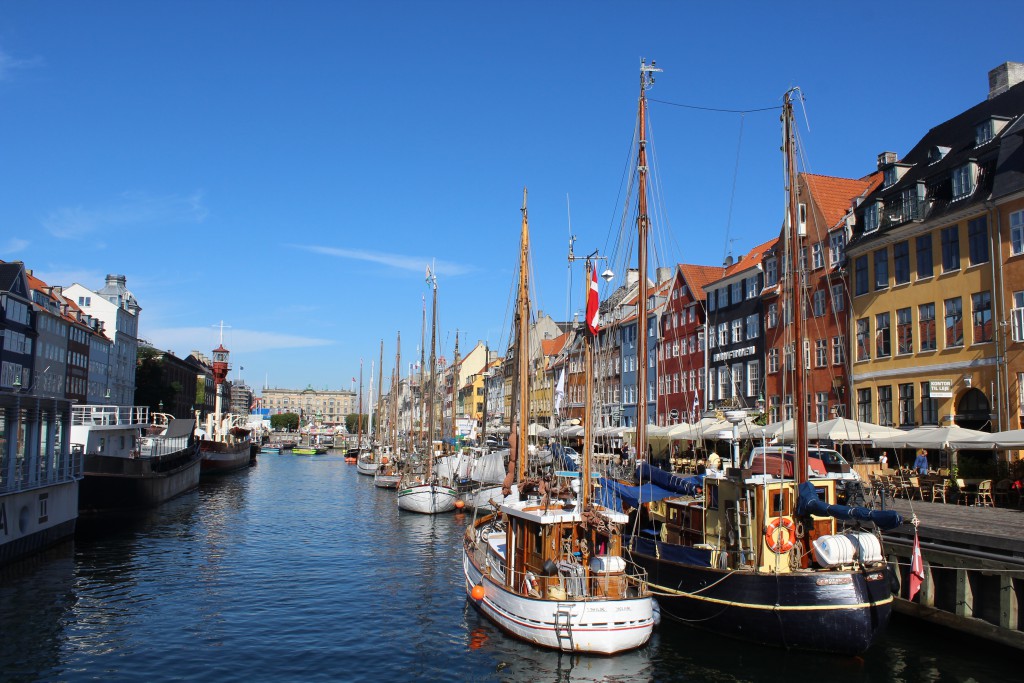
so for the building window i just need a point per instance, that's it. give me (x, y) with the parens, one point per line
(901, 262)
(753, 323)
(821, 406)
(838, 296)
(1017, 232)
(771, 272)
(864, 405)
(711, 300)
(885, 405)
(906, 404)
(883, 348)
(838, 350)
(925, 266)
(871, 218)
(737, 379)
(881, 269)
(723, 334)
(981, 315)
(977, 241)
(772, 318)
(951, 249)
(737, 292)
(904, 332)
(954, 322)
(723, 298)
(1017, 316)
(837, 248)
(963, 181)
(863, 340)
(820, 353)
(929, 405)
(789, 406)
(819, 303)
(983, 132)
(751, 287)
(817, 255)
(860, 274)
(926, 326)
(773, 361)
(753, 377)
(737, 330)
(723, 382)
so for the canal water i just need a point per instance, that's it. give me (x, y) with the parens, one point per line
(301, 570)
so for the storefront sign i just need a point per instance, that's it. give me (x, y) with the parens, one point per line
(735, 353)
(940, 388)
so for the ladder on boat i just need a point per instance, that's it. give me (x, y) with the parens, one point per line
(741, 523)
(563, 627)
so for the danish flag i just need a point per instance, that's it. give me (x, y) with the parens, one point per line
(592, 303)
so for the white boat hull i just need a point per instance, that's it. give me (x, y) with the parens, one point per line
(427, 499)
(367, 468)
(482, 497)
(594, 626)
(36, 518)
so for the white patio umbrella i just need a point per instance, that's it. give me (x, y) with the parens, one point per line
(1010, 440)
(950, 438)
(845, 430)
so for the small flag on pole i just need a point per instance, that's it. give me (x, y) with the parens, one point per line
(560, 391)
(593, 304)
(916, 568)
(694, 409)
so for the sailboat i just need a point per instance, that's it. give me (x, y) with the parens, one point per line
(388, 473)
(547, 566)
(352, 454)
(756, 552)
(426, 492)
(370, 460)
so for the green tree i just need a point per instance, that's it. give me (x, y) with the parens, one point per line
(352, 422)
(150, 386)
(289, 421)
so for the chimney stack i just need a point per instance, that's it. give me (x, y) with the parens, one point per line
(1004, 77)
(887, 159)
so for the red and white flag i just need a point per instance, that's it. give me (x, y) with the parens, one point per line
(592, 304)
(916, 569)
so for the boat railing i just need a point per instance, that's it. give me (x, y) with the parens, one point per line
(101, 415)
(583, 584)
(39, 473)
(157, 446)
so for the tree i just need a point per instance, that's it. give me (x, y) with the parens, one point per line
(289, 421)
(352, 423)
(150, 389)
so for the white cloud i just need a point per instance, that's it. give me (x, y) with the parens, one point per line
(9, 64)
(13, 246)
(132, 209)
(184, 339)
(400, 261)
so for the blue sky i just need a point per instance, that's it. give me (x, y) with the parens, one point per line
(290, 168)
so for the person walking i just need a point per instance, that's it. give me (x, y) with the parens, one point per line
(921, 461)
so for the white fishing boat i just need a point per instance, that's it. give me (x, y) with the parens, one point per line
(547, 566)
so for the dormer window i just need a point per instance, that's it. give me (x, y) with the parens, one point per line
(889, 177)
(871, 218)
(984, 132)
(937, 153)
(963, 180)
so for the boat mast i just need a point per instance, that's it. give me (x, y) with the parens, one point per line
(369, 405)
(522, 345)
(588, 399)
(380, 389)
(486, 373)
(642, 224)
(395, 389)
(455, 382)
(423, 369)
(797, 291)
(433, 379)
(359, 414)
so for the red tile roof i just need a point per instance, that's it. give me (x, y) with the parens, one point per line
(552, 346)
(834, 195)
(698, 276)
(750, 259)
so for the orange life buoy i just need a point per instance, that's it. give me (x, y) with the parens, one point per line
(384, 460)
(781, 543)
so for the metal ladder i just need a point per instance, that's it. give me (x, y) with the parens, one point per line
(563, 627)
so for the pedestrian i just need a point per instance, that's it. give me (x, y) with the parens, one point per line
(883, 460)
(921, 461)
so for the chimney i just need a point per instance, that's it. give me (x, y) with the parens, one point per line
(115, 280)
(663, 274)
(632, 277)
(1004, 77)
(887, 159)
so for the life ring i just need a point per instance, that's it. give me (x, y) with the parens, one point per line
(530, 584)
(384, 460)
(781, 543)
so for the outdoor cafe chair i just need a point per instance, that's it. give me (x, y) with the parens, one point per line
(985, 494)
(1002, 492)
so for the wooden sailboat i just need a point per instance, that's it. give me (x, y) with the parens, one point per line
(547, 567)
(389, 474)
(757, 552)
(426, 492)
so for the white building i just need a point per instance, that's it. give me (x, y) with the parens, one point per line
(119, 311)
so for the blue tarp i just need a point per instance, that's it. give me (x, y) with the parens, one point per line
(613, 493)
(690, 486)
(562, 459)
(810, 504)
(670, 551)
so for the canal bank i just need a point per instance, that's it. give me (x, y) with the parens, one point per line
(300, 569)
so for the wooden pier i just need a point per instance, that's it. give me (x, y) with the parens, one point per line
(973, 567)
